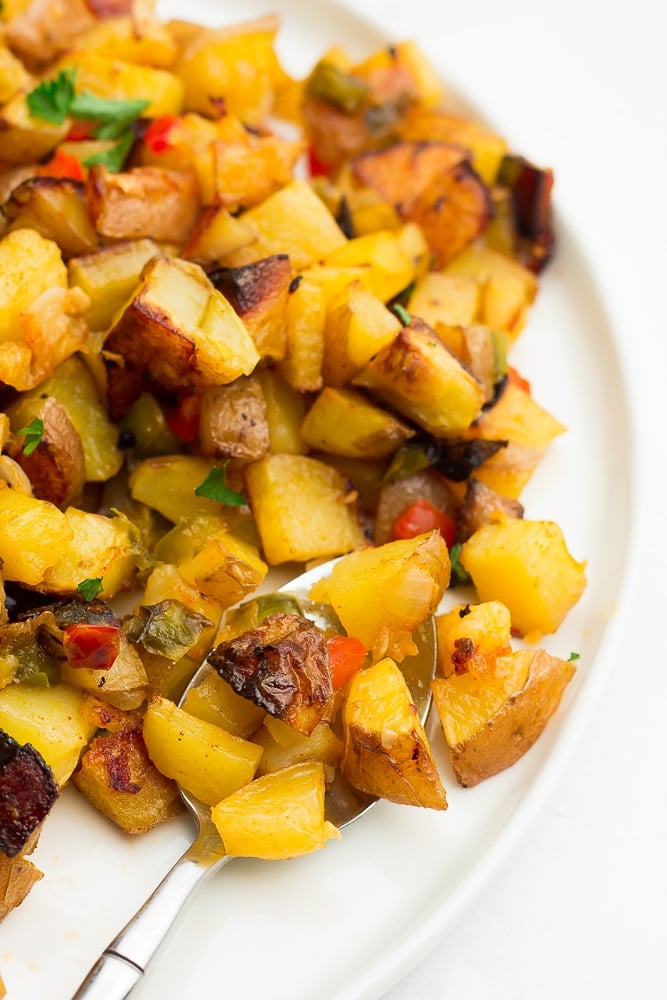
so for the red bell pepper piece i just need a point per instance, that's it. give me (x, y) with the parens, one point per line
(183, 419)
(62, 164)
(346, 655)
(156, 135)
(92, 646)
(422, 516)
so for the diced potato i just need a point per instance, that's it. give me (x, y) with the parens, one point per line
(507, 288)
(450, 299)
(34, 535)
(382, 594)
(214, 701)
(49, 718)
(387, 752)
(205, 760)
(56, 466)
(245, 173)
(53, 329)
(99, 547)
(292, 221)
(486, 148)
(519, 418)
(142, 202)
(120, 780)
(279, 815)
(358, 325)
(167, 483)
(225, 568)
(54, 207)
(14, 77)
(392, 268)
(233, 420)
(143, 40)
(471, 637)
(259, 292)
(109, 275)
(125, 81)
(181, 330)
(344, 422)
(234, 67)
(73, 386)
(509, 471)
(26, 139)
(489, 722)
(305, 316)
(284, 746)
(418, 376)
(525, 565)
(217, 234)
(284, 491)
(29, 266)
(285, 410)
(41, 29)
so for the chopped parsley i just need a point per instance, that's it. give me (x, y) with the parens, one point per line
(402, 313)
(90, 588)
(55, 99)
(215, 487)
(573, 656)
(33, 434)
(459, 575)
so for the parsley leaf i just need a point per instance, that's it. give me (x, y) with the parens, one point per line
(459, 575)
(114, 157)
(33, 434)
(90, 588)
(573, 656)
(215, 488)
(52, 99)
(111, 117)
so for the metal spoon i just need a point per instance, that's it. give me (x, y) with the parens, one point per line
(123, 963)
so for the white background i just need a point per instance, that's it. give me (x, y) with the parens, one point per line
(579, 909)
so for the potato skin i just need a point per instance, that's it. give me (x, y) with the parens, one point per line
(282, 666)
(515, 727)
(56, 468)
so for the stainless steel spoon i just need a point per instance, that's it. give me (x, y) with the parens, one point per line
(123, 963)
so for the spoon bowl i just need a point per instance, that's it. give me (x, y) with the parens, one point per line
(122, 964)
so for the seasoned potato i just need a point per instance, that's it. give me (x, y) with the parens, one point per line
(100, 547)
(109, 275)
(305, 317)
(225, 569)
(56, 208)
(46, 28)
(34, 535)
(233, 421)
(180, 330)
(56, 468)
(344, 422)
(358, 325)
(284, 746)
(381, 594)
(215, 701)
(251, 821)
(259, 294)
(142, 202)
(125, 81)
(123, 685)
(386, 751)
(525, 565)
(471, 637)
(118, 777)
(490, 721)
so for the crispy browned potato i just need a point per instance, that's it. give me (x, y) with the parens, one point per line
(56, 468)
(282, 665)
(233, 421)
(386, 751)
(118, 777)
(259, 293)
(491, 721)
(145, 201)
(483, 505)
(46, 28)
(56, 208)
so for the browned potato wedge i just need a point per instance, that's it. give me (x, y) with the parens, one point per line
(233, 421)
(142, 202)
(345, 422)
(489, 722)
(26, 139)
(421, 379)
(56, 208)
(259, 295)
(386, 751)
(109, 275)
(282, 665)
(56, 467)
(180, 330)
(46, 28)
(247, 172)
(120, 780)
(483, 505)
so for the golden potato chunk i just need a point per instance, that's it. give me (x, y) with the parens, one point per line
(56, 467)
(180, 330)
(34, 535)
(283, 666)
(490, 721)
(142, 202)
(259, 293)
(280, 815)
(386, 751)
(17, 877)
(233, 421)
(344, 422)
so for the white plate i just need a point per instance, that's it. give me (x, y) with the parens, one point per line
(349, 921)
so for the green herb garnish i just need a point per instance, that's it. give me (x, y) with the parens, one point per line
(111, 117)
(33, 435)
(402, 314)
(114, 157)
(459, 575)
(573, 656)
(215, 487)
(52, 99)
(90, 588)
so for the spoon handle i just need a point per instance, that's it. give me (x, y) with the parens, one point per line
(122, 964)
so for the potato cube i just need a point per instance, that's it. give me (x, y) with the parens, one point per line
(392, 268)
(471, 637)
(206, 761)
(280, 815)
(99, 547)
(125, 81)
(382, 594)
(527, 567)
(30, 264)
(285, 410)
(109, 275)
(519, 418)
(284, 491)
(358, 325)
(181, 330)
(344, 422)
(142, 202)
(305, 316)
(167, 483)
(225, 568)
(216, 702)
(26, 139)
(34, 535)
(50, 719)
(386, 751)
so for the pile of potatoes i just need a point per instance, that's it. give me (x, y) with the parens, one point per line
(250, 321)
